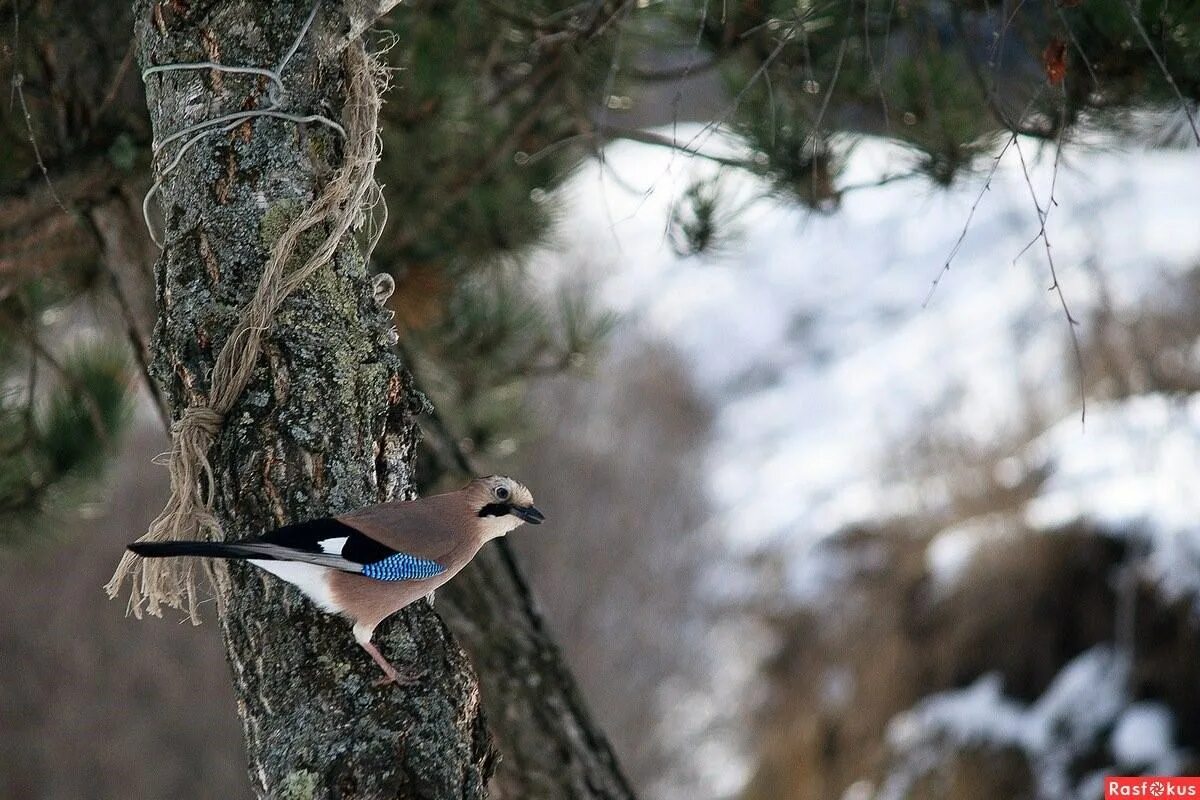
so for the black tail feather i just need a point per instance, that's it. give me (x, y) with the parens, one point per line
(205, 549)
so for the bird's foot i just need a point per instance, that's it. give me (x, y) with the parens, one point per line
(400, 678)
(392, 675)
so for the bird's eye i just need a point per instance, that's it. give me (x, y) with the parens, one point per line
(502, 492)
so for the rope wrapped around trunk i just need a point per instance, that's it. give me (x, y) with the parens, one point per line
(343, 203)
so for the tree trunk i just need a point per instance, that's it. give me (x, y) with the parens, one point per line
(326, 426)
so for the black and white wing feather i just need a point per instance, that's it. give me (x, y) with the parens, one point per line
(331, 543)
(319, 542)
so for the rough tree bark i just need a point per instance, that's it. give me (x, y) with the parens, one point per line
(325, 426)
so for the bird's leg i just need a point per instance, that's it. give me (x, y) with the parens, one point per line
(393, 675)
(363, 637)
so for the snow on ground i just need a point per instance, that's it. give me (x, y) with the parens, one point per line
(808, 333)
(952, 550)
(1086, 710)
(811, 337)
(1132, 472)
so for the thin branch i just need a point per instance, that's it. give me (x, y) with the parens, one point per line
(883, 181)
(658, 139)
(525, 21)
(140, 349)
(837, 71)
(1075, 43)
(999, 41)
(27, 414)
(655, 74)
(988, 90)
(692, 146)
(712, 126)
(531, 78)
(462, 184)
(1055, 286)
(816, 128)
(137, 341)
(114, 86)
(677, 99)
(609, 83)
(962, 236)
(1137, 23)
(18, 81)
(876, 75)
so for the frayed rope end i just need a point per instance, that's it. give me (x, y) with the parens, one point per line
(155, 583)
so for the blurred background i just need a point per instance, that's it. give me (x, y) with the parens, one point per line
(852, 349)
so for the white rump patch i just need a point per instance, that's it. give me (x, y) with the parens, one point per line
(308, 578)
(334, 545)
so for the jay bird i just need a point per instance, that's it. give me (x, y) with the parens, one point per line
(369, 564)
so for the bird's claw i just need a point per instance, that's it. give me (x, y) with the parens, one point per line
(400, 678)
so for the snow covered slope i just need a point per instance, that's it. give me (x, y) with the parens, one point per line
(1134, 472)
(810, 335)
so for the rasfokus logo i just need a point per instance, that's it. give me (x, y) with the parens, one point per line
(1152, 786)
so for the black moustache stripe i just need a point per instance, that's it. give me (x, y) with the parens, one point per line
(495, 510)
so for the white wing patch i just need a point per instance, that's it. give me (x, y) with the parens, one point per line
(308, 578)
(333, 546)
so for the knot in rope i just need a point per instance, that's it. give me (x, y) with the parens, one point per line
(199, 418)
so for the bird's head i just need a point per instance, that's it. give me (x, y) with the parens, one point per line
(502, 503)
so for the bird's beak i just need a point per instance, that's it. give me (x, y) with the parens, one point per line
(530, 514)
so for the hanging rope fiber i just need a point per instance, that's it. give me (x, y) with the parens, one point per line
(344, 202)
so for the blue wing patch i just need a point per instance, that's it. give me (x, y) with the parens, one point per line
(402, 567)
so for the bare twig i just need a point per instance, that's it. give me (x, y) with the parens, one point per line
(988, 90)
(462, 184)
(997, 45)
(1055, 286)
(876, 74)
(883, 181)
(1075, 43)
(658, 139)
(140, 348)
(523, 20)
(837, 71)
(18, 94)
(691, 67)
(133, 332)
(27, 414)
(714, 125)
(114, 86)
(609, 82)
(962, 236)
(1141, 29)
(678, 98)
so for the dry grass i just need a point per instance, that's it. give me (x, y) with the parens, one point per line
(1024, 608)
(1150, 351)
(1026, 605)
